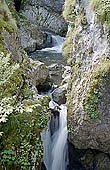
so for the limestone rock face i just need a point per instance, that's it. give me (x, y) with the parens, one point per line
(55, 5)
(46, 15)
(30, 36)
(88, 97)
(39, 72)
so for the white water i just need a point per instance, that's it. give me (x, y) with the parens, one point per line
(59, 150)
(55, 145)
(57, 42)
(55, 136)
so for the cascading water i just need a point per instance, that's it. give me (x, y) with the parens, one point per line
(59, 150)
(55, 140)
(57, 42)
(55, 136)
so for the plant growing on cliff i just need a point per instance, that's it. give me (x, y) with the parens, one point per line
(23, 141)
(102, 10)
(68, 46)
(21, 117)
(69, 11)
(95, 94)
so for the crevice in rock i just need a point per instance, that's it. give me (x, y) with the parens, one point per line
(17, 5)
(44, 88)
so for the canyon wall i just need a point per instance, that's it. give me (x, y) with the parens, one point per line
(36, 18)
(87, 50)
(23, 114)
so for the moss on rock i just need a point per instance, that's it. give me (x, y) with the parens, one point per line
(102, 10)
(69, 12)
(22, 117)
(98, 82)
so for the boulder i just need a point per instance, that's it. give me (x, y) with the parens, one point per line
(39, 72)
(56, 72)
(59, 95)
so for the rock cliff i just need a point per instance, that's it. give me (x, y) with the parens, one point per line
(35, 17)
(45, 14)
(21, 111)
(87, 49)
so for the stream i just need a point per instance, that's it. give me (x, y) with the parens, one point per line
(55, 140)
(58, 153)
(55, 136)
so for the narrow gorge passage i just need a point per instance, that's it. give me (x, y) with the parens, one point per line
(54, 101)
(55, 140)
(54, 137)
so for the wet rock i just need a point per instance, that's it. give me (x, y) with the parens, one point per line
(43, 166)
(59, 95)
(55, 73)
(48, 42)
(55, 111)
(87, 159)
(45, 87)
(39, 73)
(74, 158)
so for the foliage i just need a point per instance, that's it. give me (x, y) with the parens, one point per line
(69, 11)
(102, 10)
(92, 101)
(6, 22)
(22, 118)
(95, 95)
(68, 46)
(10, 76)
(21, 134)
(6, 15)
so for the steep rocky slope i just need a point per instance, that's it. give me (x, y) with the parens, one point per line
(21, 112)
(87, 49)
(45, 14)
(35, 17)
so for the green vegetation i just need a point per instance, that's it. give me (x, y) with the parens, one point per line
(102, 10)
(98, 81)
(93, 99)
(69, 12)
(21, 134)
(22, 117)
(68, 46)
(6, 22)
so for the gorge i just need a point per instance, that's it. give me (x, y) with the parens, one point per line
(54, 85)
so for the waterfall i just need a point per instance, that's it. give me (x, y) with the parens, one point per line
(55, 151)
(59, 150)
(55, 141)
(57, 42)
